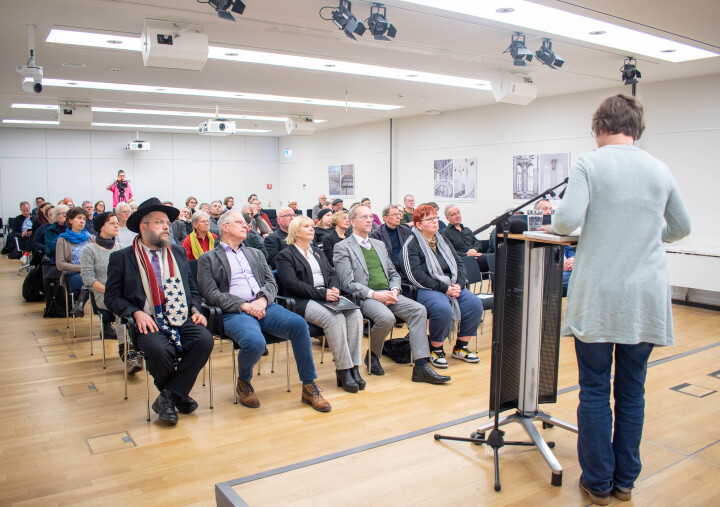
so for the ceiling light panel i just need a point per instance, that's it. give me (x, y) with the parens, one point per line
(168, 90)
(168, 127)
(282, 60)
(97, 40)
(520, 13)
(32, 122)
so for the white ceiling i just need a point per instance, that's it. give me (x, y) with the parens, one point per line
(428, 40)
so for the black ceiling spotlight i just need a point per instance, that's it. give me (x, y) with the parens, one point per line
(519, 51)
(222, 6)
(547, 56)
(378, 24)
(630, 74)
(346, 20)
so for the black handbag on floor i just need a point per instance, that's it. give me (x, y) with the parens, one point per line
(397, 349)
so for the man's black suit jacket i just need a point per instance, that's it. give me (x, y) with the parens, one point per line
(124, 293)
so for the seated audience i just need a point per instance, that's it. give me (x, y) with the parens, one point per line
(228, 203)
(392, 232)
(365, 271)
(277, 241)
(88, 207)
(98, 208)
(200, 240)
(322, 198)
(376, 220)
(431, 264)
(125, 235)
(253, 239)
(259, 211)
(46, 212)
(191, 202)
(67, 201)
(182, 226)
(340, 223)
(94, 261)
(145, 281)
(39, 201)
(55, 230)
(41, 218)
(544, 205)
(338, 205)
(133, 205)
(461, 238)
(216, 209)
(67, 257)
(305, 275)
(204, 207)
(256, 224)
(24, 227)
(409, 203)
(441, 224)
(238, 280)
(293, 206)
(324, 225)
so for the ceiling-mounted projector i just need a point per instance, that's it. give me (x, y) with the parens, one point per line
(138, 145)
(217, 127)
(300, 126)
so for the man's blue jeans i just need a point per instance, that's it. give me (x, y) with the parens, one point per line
(246, 331)
(610, 458)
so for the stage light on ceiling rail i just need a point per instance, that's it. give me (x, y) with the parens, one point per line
(222, 6)
(378, 23)
(519, 51)
(630, 74)
(345, 20)
(547, 56)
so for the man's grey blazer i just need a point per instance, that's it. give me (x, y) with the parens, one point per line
(352, 270)
(214, 278)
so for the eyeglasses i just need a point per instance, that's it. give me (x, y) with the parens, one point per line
(430, 219)
(364, 217)
(241, 223)
(160, 221)
(396, 215)
(206, 222)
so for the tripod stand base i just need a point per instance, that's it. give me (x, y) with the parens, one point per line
(526, 421)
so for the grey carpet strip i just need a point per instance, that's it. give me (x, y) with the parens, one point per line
(226, 496)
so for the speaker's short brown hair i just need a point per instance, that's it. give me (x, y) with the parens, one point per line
(619, 114)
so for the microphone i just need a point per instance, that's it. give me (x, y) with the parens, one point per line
(562, 194)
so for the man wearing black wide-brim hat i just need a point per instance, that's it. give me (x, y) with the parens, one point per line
(151, 282)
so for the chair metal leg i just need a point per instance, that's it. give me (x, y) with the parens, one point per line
(67, 309)
(102, 339)
(72, 302)
(203, 380)
(147, 386)
(125, 356)
(210, 380)
(322, 351)
(91, 334)
(287, 363)
(272, 363)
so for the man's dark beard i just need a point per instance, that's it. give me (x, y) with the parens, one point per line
(155, 240)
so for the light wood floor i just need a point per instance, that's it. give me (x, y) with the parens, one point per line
(68, 438)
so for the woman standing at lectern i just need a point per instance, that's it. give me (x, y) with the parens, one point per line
(620, 309)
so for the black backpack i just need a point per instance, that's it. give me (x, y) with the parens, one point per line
(397, 349)
(32, 288)
(54, 299)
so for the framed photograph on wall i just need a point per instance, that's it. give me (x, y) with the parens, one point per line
(454, 179)
(533, 174)
(341, 180)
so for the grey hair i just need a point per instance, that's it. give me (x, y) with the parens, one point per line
(85, 202)
(537, 204)
(246, 207)
(197, 216)
(120, 206)
(448, 207)
(225, 217)
(219, 202)
(408, 195)
(24, 203)
(61, 207)
(387, 209)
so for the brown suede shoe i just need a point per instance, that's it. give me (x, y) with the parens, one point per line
(246, 394)
(311, 395)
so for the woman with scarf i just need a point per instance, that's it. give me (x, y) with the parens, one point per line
(68, 249)
(431, 264)
(94, 261)
(200, 240)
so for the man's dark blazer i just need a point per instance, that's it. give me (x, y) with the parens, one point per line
(381, 233)
(296, 279)
(254, 240)
(124, 293)
(274, 243)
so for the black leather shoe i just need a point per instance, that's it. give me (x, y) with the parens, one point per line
(186, 405)
(164, 407)
(346, 381)
(423, 373)
(375, 368)
(358, 379)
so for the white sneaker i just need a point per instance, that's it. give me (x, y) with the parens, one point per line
(465, 355)
(437, 358)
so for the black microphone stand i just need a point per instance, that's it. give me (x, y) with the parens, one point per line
(496, 438)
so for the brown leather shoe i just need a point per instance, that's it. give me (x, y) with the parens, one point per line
(246, 394)
(311, 395)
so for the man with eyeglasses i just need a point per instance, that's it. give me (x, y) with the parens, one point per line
(409, 203)
(237, 279)
(461, 238)
(392, 232)
(151, 282)
(277, 241)
(365, 270)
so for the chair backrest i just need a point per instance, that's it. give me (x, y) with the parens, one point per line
(472, 269)
(93, 305)
(484, 245)
(298, 212)
(193, 268)
(271, 213)
(308, 212)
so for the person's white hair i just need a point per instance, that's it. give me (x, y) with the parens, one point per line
(120, 206)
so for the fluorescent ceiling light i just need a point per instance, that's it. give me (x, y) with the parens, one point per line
(521, 13)
(162, 112)
(173, 127)
(124, 87)
(283, 60)
(32, 122)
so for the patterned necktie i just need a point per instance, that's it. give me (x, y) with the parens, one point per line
(156, 267)
(366, 244)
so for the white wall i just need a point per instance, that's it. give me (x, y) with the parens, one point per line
(80, 164)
